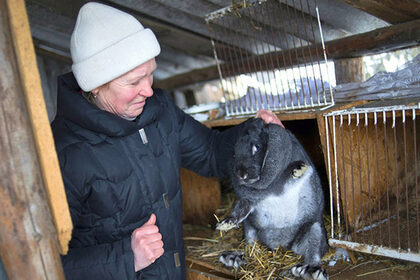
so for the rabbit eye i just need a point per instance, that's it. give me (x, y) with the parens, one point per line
(255, 149)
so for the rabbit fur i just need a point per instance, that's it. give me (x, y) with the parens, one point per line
(280, 197)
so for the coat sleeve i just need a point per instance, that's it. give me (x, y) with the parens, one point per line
(113, 260)
(205, 151)
(105, 261)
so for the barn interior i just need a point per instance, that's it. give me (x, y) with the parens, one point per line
(189, 69)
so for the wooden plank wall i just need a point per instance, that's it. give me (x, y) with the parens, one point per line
(29, 246)
(201, 197)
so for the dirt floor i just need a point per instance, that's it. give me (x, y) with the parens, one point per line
(203, 247)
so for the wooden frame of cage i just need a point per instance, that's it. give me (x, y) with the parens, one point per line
(374, 179)
(267, 57)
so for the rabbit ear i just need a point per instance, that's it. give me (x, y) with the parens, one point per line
(252, 126)
(247, 124)
(265, 132)
(259, 122)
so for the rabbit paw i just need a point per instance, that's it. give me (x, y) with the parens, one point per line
(227, 224)
(320, 274)
(299, 170)
(306, 272)
(232, 258)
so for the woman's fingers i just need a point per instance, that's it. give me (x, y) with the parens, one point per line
(145, 230)
(146, 243)
(152, 241)
(154, 250)
(269, 117)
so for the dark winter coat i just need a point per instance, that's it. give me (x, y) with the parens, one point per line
(114, 181)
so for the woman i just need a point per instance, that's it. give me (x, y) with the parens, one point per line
(121, 144)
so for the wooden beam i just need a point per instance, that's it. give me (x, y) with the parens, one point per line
(192, 77)
(50, 22)
(283, 116)
(34, 102)
(381, 40)
(29, 247)
(52, 54)
(392, 11)
(378, 41)
(166, 13)
(61, 16)
(349, 70)
(339, 15)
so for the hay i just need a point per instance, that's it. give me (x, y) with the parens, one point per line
(261, 262)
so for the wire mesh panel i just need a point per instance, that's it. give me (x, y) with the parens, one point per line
(269, 56)
(373, 164)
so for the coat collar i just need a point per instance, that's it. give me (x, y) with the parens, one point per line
(71, 105)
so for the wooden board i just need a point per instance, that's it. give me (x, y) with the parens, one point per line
(44, 142)
(200, 270)
(29, 246)
(284, 116)
(393, 11)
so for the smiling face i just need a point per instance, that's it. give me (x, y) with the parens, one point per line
(126, 95)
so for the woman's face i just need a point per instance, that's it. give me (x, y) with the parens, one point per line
(126, 95)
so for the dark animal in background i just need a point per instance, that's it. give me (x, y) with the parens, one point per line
(280, 198)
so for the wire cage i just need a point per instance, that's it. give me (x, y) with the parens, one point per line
(373, 165)
(270, 54)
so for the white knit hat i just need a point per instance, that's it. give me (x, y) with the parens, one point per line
(107, 43)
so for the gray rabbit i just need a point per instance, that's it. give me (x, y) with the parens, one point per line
(280, 198)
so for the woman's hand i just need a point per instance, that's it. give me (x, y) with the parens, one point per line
(269, 117)
(146, 243)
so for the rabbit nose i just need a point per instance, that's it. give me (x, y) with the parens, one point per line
(242, 174)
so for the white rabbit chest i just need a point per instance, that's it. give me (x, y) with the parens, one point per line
(283, 210)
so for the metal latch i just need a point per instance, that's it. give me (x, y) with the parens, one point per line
(166, 200)
(143, 136)
(177, 260)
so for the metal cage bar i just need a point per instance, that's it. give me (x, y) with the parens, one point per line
(373, 172)
(256, 51)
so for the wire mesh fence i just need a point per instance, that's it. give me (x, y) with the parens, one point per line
(270, 54)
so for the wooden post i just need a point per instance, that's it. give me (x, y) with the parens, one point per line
(29, 246)
(349, 70)
(34, 99)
